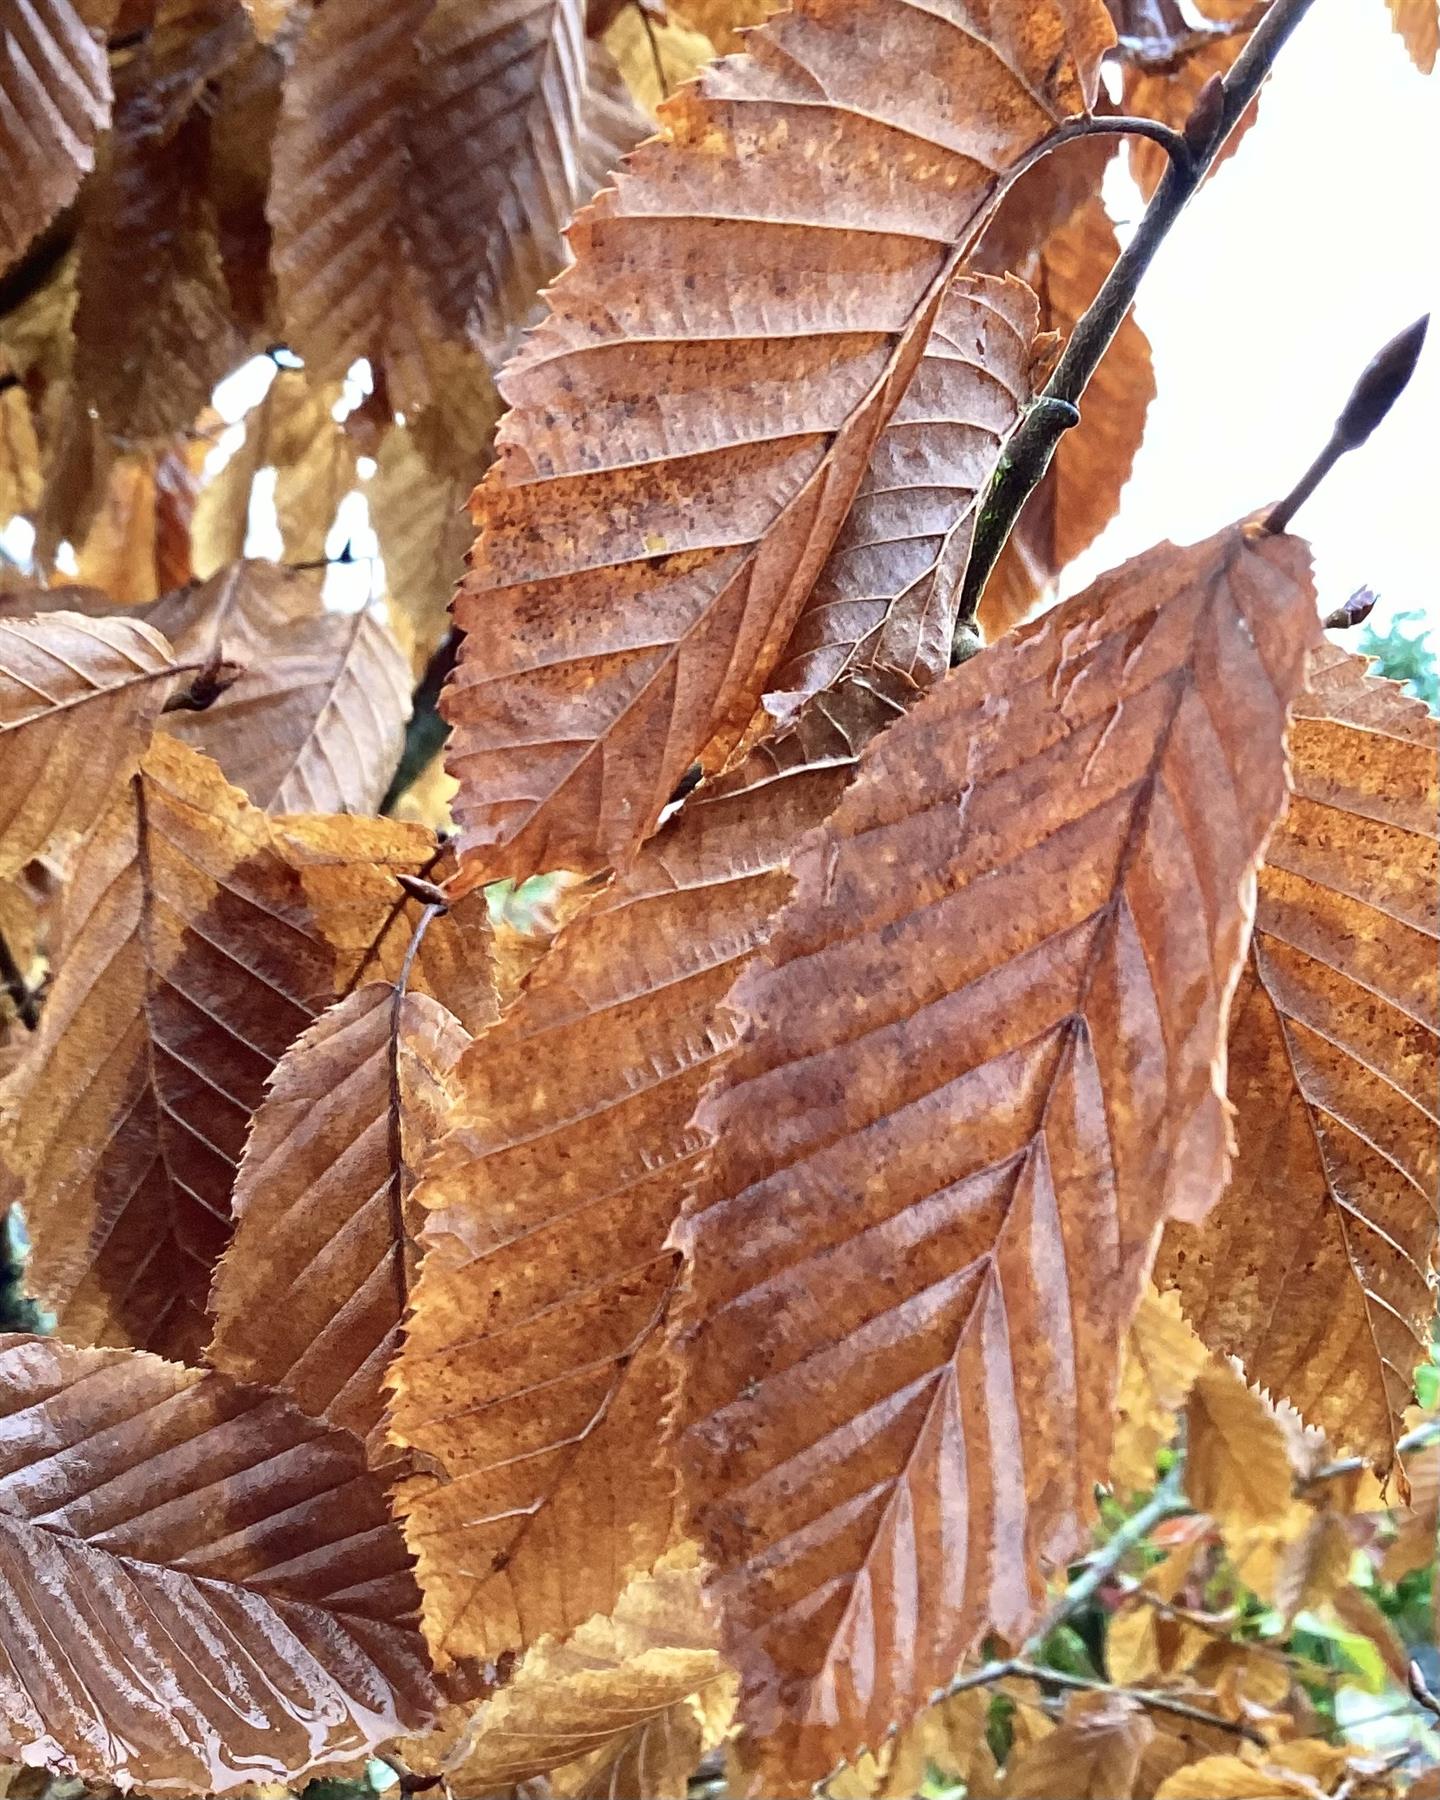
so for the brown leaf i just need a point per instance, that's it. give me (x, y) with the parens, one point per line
(322, 1203)
(78, 700)
(887, 595)
(1418, 1525)
(201, 938)
(316, 720)
(724, 21)
(202, 1587)
(54, 103)
(119, 553)
(1418, 22)
(1334, 1044)
(1316, 1566)
(691, 423)
(1162, 1358)
(546, 1272)
(1357, 1612)
(978, 960)
(1093, 1754)
(1080, 492)
(570, 1699)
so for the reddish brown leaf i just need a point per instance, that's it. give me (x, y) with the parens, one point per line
(692, 422)
(1334, 1045)
(939, 1171)
(54, 104)
(546, 1272)
(323, 1215)
(201, 1587)
(201, 937)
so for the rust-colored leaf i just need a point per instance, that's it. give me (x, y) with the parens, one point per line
(1334, 1045)
(54, 104)
(546, 1273)
(310, 1295)
(201, 937)
(692, 422)
(202, 1588)
(315, 722)
(887, 595)
(938, 1173)
(1418, 22)
(1080, 491)
(78, 700)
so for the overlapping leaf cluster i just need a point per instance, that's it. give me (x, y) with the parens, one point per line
(708, 1316)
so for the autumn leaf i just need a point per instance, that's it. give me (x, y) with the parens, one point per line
(424, 531)
(1231, 1778)
(978, 959)
(1093, 1753)
(657, 55)
(1333, 1051)
(687, 433)
(202, 1588)
(546, 1274)
(1162, 1358)
(323, 1202)
(578, 1703)
(1237, 1468)
(1080, 492)
(54, 105)
(201, 938)
(78, 700)
(1418, 22)
(20, 479)
(315, 721)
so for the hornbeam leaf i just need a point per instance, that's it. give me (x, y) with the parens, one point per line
(201, 936)
(201, 1587)
(1418, 22)
(315, 721)
(548, 1202)
(692, 422)
(54, 104)
(323, 1206)
(983, 1062)
(78, 699)
(1333, 1050)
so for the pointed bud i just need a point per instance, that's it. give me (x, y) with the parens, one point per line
(1356, 610)
(1384, 380)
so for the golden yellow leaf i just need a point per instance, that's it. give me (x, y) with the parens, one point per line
(1237, 1466)
(118, 554)
(1418, 22)
(1231, 1778)
(1316, 1565)
(1162, 1358)
(423, 526)
(19, 449)
(656, 56)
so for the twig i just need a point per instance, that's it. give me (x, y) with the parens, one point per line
(1217, 111)
(1384, 379)
(660, 78)
(1016, 1666)
(1167, 1500)
(1418, 1439)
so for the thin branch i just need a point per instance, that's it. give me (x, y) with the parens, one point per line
(1167, 1500)
(661, 81)
(1217, 111)
(1017, 1667)
(1418, 1439)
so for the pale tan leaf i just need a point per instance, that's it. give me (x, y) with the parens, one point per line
(1230, 1778)
(905, 1296)
(54, 104)
(423, 527)
(78, 700)
(322, 1202)
(1093, 1754)
(202, 1587)
(652, 1761)
(1418, 22)
(1334, 1045)
(1417, 1537)
(118, 554)
(691, 423)
(546, 1272)
(1162, 1358)
(316, 720)
(1237, 1467)
(20, 481)
(315, 459)
(1145, 1646)
(1316, 1565)
(656, 56)
(201, 937)
(1357, 1612)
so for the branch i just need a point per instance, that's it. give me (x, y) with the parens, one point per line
(1167, 1500)
(1418, 1439)
(1217, 111)
(1027, 1671)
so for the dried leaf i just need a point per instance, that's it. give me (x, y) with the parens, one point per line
(316, 720)
(1230, 1778)
(1357, 1612)
(119, 551)
(315, 460)
(78, 700)
(1418, 22)
(424, 532)
(546, 1272)
(201, 938)
(1417, 1536)
(1162, 1358)
(1334, 1044)
(744, 315)
(1316, 1566)
(723, 21)
(570, 1699)
(323, 1212)
(1080, 491)
(20, 481)
(656, 56)
(202, 1588)
(887, 595)
(1237, 1467)
(54, 104)
(1093, 1754)
(979, 958)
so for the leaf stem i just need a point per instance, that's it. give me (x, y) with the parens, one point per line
(1217, 111)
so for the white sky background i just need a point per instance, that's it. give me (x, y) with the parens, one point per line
(1314, 244)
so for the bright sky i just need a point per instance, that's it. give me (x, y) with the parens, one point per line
(1318, 241)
